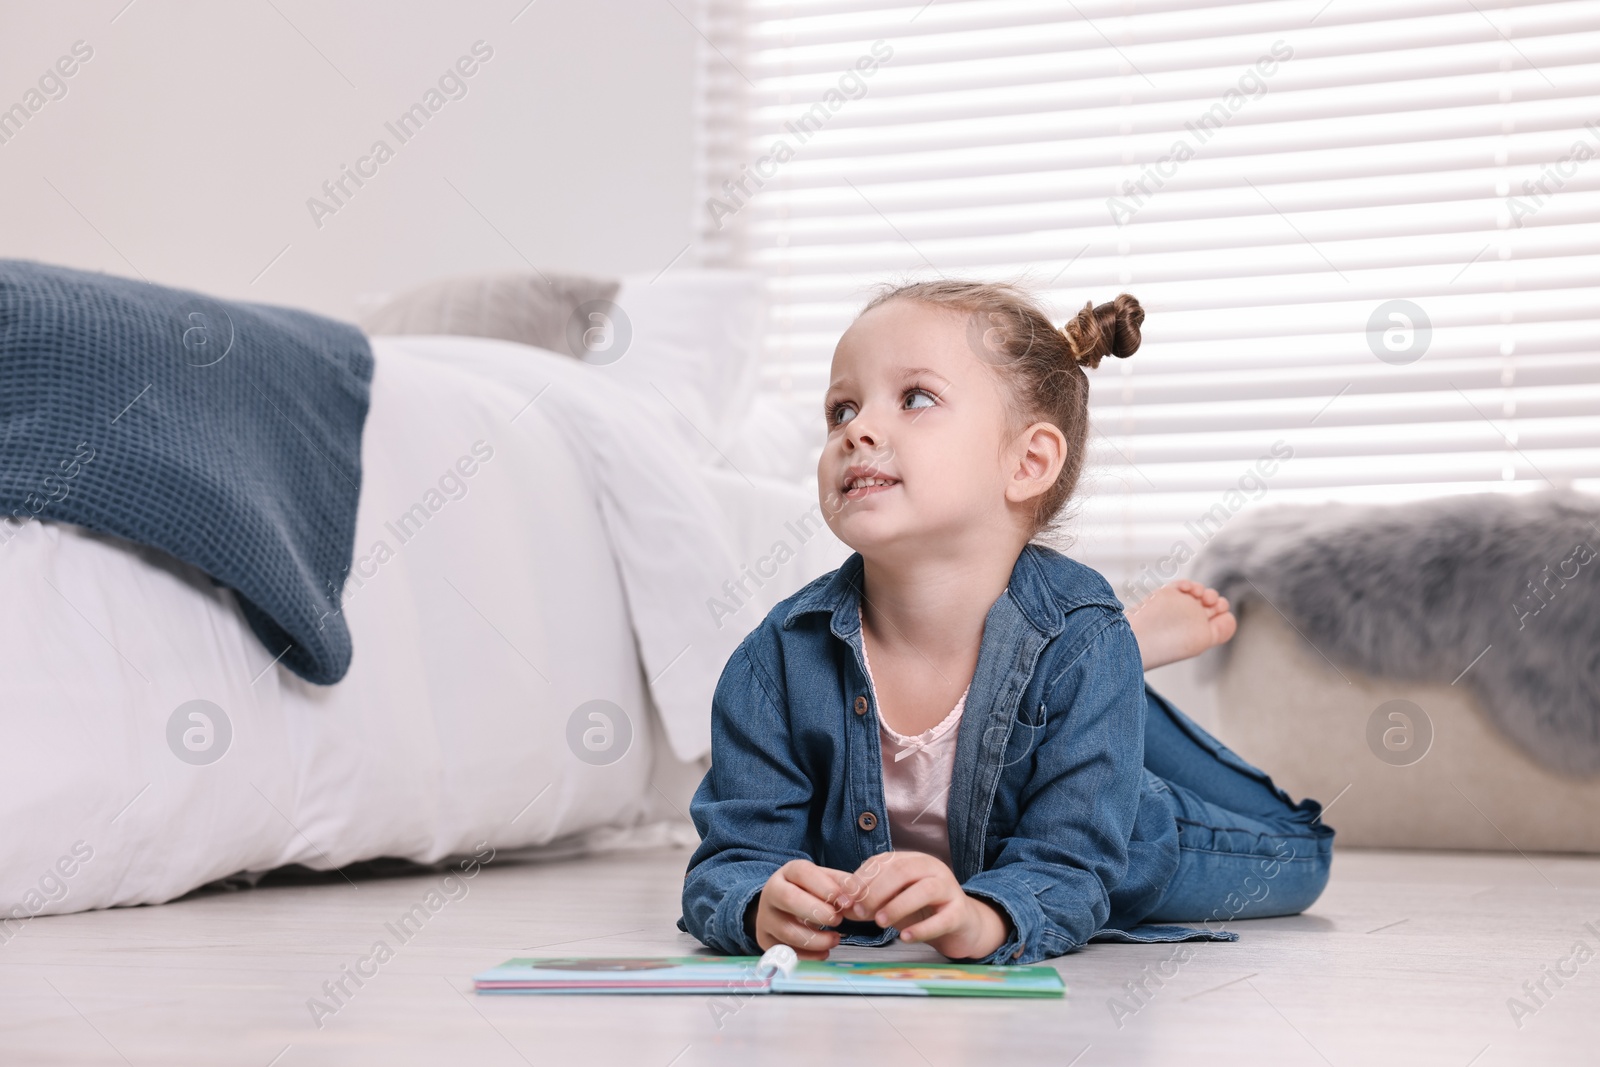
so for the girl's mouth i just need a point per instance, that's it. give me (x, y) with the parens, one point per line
(868, 485)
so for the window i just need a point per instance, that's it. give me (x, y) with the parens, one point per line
(1364, 233)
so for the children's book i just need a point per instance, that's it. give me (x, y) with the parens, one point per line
(779, 970)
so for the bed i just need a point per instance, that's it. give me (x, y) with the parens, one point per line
(536, 554)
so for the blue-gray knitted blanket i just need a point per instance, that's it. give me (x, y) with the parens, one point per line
(225, 434)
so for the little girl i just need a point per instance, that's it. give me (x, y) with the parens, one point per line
(949, 738)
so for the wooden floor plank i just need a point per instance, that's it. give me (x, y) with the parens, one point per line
(1409, 958)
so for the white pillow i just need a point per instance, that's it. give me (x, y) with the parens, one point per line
(688, 341)
(775, 441)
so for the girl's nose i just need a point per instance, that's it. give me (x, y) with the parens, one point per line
(858, 433)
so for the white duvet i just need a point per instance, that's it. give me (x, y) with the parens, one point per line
(532, 551)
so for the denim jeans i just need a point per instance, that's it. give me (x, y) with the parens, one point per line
(1245, 850)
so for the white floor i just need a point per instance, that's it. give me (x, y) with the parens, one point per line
(1409, 958)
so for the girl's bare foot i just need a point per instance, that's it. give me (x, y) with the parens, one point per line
(1179, 620)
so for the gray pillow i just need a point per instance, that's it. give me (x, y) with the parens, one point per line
(516, 306)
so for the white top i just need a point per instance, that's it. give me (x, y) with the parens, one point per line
(916, 779)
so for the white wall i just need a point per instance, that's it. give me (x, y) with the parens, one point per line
(186, 148)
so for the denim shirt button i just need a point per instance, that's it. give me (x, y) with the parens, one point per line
(867, 821)
(861, 705)
(1017, 955)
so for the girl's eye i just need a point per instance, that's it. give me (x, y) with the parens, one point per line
(919, 398)
(841, 413)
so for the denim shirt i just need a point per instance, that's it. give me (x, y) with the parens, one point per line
(1052, 816)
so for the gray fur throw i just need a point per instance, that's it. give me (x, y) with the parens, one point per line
(1498, 592)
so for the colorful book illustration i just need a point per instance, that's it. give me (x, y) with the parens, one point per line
(779, 970)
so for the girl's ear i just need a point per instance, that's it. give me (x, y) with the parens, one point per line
(1035, 459)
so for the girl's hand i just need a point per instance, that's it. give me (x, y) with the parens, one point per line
(796, 901)
(897, 888)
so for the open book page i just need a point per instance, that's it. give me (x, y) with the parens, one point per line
(777, 971)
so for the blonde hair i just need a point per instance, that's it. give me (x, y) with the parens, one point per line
(1044, 366)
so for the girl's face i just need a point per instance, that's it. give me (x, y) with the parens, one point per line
(918, 428)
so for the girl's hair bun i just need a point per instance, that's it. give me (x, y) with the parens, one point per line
(1107, 330)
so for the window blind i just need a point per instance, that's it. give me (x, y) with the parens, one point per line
(1364, 233)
